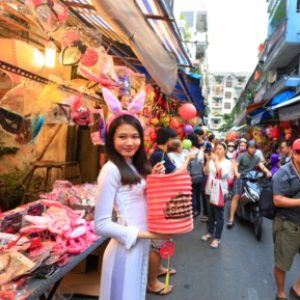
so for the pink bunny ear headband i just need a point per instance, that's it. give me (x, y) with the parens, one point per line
(116, 109)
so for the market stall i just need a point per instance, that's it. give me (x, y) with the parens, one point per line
(57, 57)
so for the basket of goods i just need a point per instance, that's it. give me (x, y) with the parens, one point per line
(169, 200)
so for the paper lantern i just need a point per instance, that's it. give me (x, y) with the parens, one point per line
(174, 123)
(169, 200)
(187, 111)
(188, 129)
(186, 144)
(276, 132)
(285, 124)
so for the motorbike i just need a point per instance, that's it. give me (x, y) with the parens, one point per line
(248, 206)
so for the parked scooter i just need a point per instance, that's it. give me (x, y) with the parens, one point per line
(248, 206)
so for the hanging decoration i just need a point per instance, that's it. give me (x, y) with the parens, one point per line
(187, 111)
(51, 14)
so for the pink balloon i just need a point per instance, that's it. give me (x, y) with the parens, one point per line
(187, 111)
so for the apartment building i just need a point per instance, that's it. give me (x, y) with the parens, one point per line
(224, 90)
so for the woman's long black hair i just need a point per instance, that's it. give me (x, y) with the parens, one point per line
(139, 161)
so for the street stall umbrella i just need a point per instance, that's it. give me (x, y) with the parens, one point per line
(131, 26)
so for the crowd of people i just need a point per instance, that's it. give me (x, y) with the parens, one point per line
(132, 263)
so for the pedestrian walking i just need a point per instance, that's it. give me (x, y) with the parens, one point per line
(286, 152)
(195, 168)
(217, 169)
(286, 224)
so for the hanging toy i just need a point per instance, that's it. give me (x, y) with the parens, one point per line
(80, 115)
(51, 14)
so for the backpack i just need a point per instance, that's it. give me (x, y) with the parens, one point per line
(196, 170)
(266, 205)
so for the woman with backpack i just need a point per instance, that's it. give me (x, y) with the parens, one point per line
(195, 168)
(217, 168)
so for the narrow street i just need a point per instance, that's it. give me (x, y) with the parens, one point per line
(240, 269)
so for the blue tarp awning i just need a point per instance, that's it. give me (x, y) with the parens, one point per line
(188, 89)
(281, 97)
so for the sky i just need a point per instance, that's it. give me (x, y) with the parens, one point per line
(235, 30)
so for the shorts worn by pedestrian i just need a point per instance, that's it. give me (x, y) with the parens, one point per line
(286, 225)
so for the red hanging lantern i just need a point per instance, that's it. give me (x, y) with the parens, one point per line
(187, 111)
(276, 132)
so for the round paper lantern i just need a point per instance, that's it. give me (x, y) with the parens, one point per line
(174, 123)
(186, 144)
(187, 111)
(153, 136)
(188, 129)
(154, 121)
(169, 199)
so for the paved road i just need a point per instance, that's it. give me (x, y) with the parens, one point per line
(240, 269)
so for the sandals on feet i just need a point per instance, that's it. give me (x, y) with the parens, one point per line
(294, 293)
(215, 244)
(172, 272)
(230, 224)
(206, 237)
(204, 219)
(162, 291)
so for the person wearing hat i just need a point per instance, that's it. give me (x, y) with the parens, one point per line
(286, 224)
(245, 163)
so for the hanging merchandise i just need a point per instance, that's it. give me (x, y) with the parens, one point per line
(100, 70)
(51, 94)
(187, 111)
(188, 129)
(276, 132)
(186, 144)
(80, 114)
(98, 137)
(59, 114)
(116, 109)
(51, 14)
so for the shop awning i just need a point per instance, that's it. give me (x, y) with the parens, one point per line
(286, 103)
(146, 26)
(281, 98)
(289, 113)
(188, 88)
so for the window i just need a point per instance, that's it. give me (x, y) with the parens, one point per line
(279, 16)
(228, 95)
(201, 24)
(216, 121)
(298, 6)
(229, 82)
(188, 16)
(227, 105)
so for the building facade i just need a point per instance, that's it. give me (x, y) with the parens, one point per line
(276, 78)
(225, 89)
